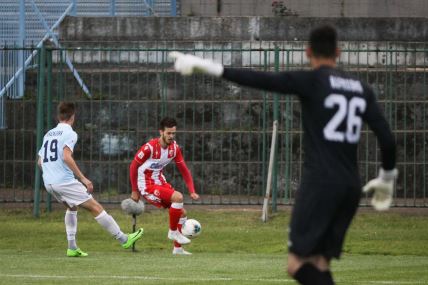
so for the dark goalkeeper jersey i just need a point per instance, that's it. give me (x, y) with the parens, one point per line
(334, 107)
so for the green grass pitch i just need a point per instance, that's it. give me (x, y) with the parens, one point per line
(234, 248)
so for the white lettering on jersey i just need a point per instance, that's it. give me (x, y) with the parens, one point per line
(346, 110)
(346, 84)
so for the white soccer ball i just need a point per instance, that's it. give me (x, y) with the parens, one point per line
(191, 228)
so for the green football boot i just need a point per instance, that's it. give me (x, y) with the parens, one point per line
(76, 253)
(132, 238)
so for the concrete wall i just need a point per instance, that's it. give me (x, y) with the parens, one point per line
(307, 8)
(133, 29)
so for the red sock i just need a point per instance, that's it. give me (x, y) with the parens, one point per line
(174, 216)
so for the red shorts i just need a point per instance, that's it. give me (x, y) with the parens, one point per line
(159, 195)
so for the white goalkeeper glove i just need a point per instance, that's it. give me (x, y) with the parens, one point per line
(188, 64)
(382, 188)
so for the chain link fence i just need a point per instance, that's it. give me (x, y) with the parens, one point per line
(224, 129)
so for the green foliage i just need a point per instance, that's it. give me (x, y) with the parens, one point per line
(234, 248)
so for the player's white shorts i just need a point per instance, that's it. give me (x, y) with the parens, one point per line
(73, 193)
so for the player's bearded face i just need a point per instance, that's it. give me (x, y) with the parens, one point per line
(168, 135)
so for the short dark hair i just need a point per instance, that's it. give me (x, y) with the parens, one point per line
(65, 110)
(323, 41)
(167, 122)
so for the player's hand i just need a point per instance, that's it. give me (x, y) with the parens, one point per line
(188, 64)
(88, 184)
(382, 188)
(194, 196)
(135, 195)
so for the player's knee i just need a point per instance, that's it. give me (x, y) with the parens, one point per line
(93, 206)
(293, 264)
(177, 197)
(291, 270)
(183, 213)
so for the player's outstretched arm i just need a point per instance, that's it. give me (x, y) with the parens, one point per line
(282, 82)
(69, 160)
(188, 64)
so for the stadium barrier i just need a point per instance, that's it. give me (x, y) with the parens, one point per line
(224, 129)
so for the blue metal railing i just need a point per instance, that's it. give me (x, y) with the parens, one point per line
(27, 23)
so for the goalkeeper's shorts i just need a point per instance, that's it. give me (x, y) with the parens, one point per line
(320, 218)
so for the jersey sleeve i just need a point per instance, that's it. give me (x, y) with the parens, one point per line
(140, 157)
(291, 82)
(70, 140)
(378, 124)
(143, 154)
(184, 170)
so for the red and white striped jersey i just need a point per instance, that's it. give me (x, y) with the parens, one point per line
(152, 159)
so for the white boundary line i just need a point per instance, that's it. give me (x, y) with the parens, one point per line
(225, 279)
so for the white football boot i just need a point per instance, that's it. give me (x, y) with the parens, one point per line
(178, 237)
(180, 251)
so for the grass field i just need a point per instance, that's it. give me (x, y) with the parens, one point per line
(234, 248)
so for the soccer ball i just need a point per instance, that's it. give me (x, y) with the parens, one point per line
(191, 228)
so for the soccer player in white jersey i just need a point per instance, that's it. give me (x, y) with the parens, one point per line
(59, 172)
(148, 181)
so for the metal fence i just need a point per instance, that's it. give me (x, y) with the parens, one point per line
(224, 129)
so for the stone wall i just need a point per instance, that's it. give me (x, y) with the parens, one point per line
(306, 8)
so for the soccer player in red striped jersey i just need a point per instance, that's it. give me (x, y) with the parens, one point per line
(148, 181)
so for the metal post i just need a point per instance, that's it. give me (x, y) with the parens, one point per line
(287, 144)
(275, 118)
(134, 226)
(39, 135)
(21, 78)
(73, 11)
(49, 111)
(264, 123)
(112, 7)
(173, 8)
(150, 10)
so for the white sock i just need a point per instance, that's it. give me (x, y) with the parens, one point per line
(182, 220)
(107, 222)
(70, 221)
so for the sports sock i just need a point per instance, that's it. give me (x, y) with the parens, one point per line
(308, 274)
(107, 222)
(70, 221)
(179, 226)
(328, 277)
(174, 215)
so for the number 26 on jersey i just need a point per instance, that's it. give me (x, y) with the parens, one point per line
(346, 110)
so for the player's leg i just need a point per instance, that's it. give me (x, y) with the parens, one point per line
(310, 228)
(178, 249)
(74, 194)
(175, 213)
(70, 221)
(310, 270)
(109, 223)
(164, 196)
